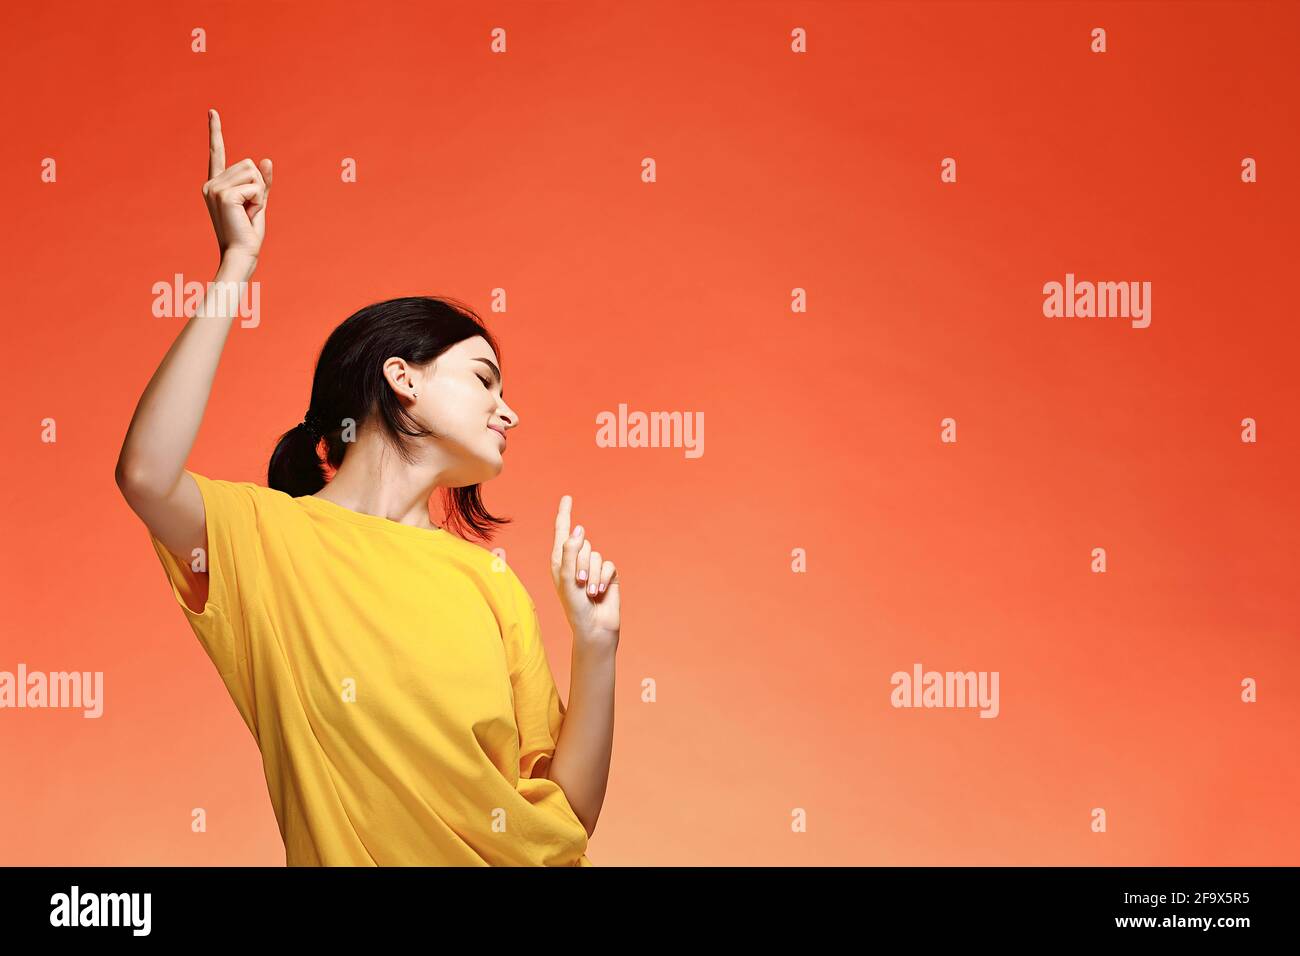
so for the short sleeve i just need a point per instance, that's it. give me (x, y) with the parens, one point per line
(234, 566)
(539, 712)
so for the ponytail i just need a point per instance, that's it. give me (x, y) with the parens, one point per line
(296, 467)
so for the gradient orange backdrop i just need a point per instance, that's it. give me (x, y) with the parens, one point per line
(775, 171)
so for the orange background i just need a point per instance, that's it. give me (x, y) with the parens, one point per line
(775, 171)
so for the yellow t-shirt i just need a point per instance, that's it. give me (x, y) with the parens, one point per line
(393, 677)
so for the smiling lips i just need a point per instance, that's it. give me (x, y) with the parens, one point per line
(498, 431)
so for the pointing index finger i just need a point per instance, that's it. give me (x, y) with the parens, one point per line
(562, 525)
(216, 146)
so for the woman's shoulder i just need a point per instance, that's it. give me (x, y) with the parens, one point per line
(487, 560)
(244, 506)
(243, 486)
(490, 564)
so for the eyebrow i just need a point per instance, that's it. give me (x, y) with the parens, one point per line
(495, 371)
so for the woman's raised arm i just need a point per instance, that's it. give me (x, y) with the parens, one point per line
(152, 461)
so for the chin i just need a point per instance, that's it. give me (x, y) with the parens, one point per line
(488, 469)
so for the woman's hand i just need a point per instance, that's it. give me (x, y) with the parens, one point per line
(236, 198)
(578, 571)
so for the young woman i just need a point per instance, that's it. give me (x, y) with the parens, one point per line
(392, 673)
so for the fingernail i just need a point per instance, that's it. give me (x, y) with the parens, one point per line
(603, 585)
(577, 532)
(592, 590)
(582, 576)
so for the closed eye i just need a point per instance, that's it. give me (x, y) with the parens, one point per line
(486, 383)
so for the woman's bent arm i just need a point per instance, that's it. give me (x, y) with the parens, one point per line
(582, 754)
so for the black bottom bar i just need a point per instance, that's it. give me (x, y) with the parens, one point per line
(1169, 905)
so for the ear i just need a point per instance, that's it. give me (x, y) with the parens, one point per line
(400, 375)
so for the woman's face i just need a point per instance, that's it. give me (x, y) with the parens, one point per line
(460, 396)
